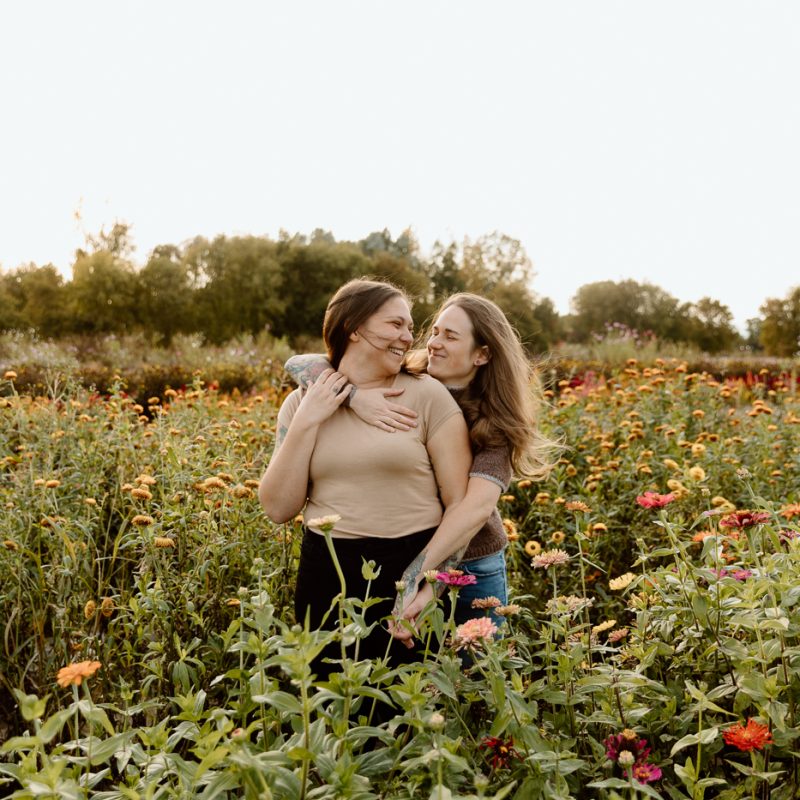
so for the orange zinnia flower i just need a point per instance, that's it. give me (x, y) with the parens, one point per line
(74, 673)
(752, 736)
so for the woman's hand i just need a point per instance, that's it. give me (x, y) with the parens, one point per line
(373, 407)
(322, 398)
(399, 628)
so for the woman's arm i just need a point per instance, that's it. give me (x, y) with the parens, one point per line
(369, 405)
(307, 367)
(459, 524)
(284, 485)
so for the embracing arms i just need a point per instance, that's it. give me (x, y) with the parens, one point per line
(370, 405)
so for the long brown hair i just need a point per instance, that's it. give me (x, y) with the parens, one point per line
(501, 404)
(349, 308)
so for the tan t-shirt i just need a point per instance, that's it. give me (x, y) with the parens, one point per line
(381, 484)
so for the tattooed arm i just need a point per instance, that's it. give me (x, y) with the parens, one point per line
(370, 405)
(446, 548)
(306, 368)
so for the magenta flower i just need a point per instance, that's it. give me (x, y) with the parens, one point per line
(742, 574)
(645, 772)
(654, 500)
(627, 741)
(455, 577)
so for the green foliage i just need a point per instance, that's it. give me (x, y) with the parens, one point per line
(206, 688)
(780, 329)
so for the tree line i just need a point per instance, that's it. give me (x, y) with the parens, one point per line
(229, 286)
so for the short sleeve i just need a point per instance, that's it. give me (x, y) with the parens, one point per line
(493, 464)
(439, 404)
(285, 416)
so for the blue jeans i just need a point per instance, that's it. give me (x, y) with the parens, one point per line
(490, 572)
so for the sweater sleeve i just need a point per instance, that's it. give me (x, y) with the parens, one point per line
(493, 464)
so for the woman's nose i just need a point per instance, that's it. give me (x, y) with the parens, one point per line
(407, 336)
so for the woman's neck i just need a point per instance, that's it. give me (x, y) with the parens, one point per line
(364, 374)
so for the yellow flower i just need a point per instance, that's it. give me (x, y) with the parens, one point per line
(507, 498)
(140, 520)
(599, 527)
(525, 484)
(74, 673)
(10, 375)
(571, 471)
(140, 493)
(604, 626)
(698, 449)
(89, 609)
(107, 607)
(697, 473)
(542, 498)
(557, 537)
(670, 464)
(622, 582)
(511, 530)
(699, 413)
(533, 548)
(52, 484)
(163, 541)
(90, 501)
(577, 505)
(146, 480)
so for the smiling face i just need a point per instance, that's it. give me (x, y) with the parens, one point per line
(386, 336)
(453, 356)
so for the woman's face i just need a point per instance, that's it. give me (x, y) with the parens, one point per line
(453, 357)
(387, 335)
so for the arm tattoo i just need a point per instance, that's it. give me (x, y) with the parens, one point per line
(306, 368)
(410, 580)
(411, 577)
(279, 437)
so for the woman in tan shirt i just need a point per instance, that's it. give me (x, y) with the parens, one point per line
(386, 493)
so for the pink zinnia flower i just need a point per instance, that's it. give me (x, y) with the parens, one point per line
(654, 500)
(455, 578)
(742, 574)
(744, 519)
(474, 632)
(646, 773)
(550, 558)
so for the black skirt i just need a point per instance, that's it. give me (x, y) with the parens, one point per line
(318, 584)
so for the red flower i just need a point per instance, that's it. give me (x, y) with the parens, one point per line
(627, 740)
(752, 736)
(501, 751)
(654, 500)
(744, 519)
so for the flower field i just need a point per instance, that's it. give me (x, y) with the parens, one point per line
(652, 647)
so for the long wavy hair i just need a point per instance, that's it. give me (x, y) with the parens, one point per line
(502, 403)
(351, 306)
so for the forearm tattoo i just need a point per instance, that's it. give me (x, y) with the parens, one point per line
(412, 575)
(306, 368)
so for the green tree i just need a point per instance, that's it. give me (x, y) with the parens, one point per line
(166, 295)
(780, 326)
(239, 284)
(643, 307)
(710, 326)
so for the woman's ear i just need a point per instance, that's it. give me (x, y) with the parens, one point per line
(353, 336)
(482, 356)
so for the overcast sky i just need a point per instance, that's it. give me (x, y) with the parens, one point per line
(654, 141)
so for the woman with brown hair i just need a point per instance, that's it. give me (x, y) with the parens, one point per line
(473, 350)
(386, 500)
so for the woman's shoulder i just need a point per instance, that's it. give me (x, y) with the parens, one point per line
(422, 386)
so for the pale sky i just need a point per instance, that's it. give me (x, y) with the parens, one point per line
(653, 141)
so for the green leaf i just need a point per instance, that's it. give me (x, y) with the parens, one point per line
(30, 705)
(704, 737)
